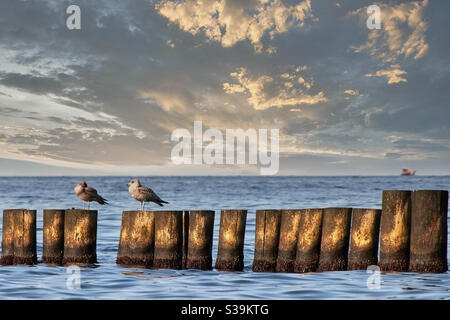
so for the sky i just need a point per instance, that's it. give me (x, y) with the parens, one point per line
(105, 99)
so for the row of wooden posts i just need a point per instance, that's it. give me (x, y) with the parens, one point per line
(408, 234)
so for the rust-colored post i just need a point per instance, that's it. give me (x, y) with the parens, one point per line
(309, 237)
(287, 246)
(364, 238)
(395, 230)
(230, 254)
(168, 240)
(335, 239)
(137, 239)
(185, 239)
(53, 237)
(80, 236)
(429, 231)
(200, 240)
(19, 237)
(267, 234)
(8, 238)
(25, 237)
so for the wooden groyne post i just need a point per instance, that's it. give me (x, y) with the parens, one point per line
(19, 237)
(287, 246)
(335, 239)
(428, 246)
(267, 234)
(185, 216)
(53, 237)
(309, 239)
(230, 253)
(200, 240)
(80, 236)
(168, 240)
(8, 238)
(395, 230)
(364, 238)
(137, 239)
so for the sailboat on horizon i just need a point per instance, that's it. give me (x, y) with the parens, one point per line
(408, 172)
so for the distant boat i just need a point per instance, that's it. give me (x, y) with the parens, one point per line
(408, 172)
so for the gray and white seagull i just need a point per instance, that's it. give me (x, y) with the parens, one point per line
(143, 194)
(88, 194)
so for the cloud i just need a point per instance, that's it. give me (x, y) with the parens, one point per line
(393, 75)
(230, 22)
(30, 82)
(402, 33)
(351, 92)
(287, 89)
(170, 43)
(110, 95)
(167, 100)
(88, 146)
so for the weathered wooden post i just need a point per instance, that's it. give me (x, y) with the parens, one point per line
(309, 237)
(287, 246)
(200, 240)
(395, 230)
(364, 238)
(8, 238)
(80, 236)
(137, 239)
(429, 231)
(168, 240)
(19, 237)
(25, 237)
(267, 234)
(335, 239)
(185, 244)
(230, 253)
(53, 237)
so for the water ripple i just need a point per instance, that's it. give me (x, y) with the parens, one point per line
(106, 280)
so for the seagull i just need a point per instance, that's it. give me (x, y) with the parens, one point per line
(143, 194)
(88, 194)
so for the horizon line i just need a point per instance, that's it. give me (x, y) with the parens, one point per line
(228, 176)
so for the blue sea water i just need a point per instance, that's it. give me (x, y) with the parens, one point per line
(106, 280)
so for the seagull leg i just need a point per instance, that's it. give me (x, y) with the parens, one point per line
(89, 205)
(143, 206)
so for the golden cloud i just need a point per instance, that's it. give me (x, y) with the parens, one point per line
(265, 91)
(229, 22)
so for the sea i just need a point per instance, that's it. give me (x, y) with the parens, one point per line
(106, 280)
